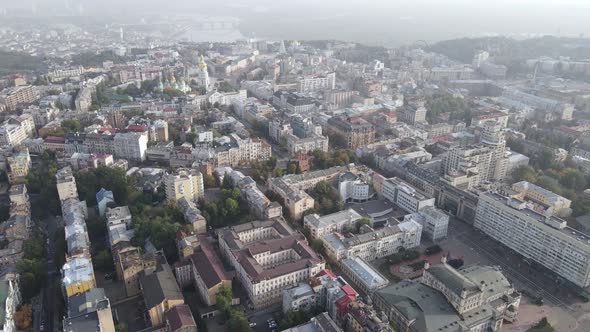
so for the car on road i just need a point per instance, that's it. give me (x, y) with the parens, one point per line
(253, 324)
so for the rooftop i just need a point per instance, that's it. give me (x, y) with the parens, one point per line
(348, 215)
(369, 276)
(429, 309)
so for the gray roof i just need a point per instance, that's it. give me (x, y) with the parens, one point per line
(454, 280)
(429, 308)
(92, 300)
(489, 278)
(159, 286)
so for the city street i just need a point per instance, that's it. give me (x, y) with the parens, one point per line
(476, 247)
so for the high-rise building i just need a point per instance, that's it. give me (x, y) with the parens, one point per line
(485, 161)
(536, 234)
(186, 183)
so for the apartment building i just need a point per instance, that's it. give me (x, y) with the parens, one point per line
(268, 256)
(158, 131)
(10, 301)
(372, 244)
(160, 293)
(66, 184)
(354, 132)
(435, 223)
(413, 114)
(336, 222)
(296, 145)
(17, 166)
(405, 196)
(292, 188)
(89, 311)
(16, 96)
(535, 234)
(12, 135)
(63, 73)
(131, 146)
(259, 205)
(184, 182)
(78, 276)
(317, 83)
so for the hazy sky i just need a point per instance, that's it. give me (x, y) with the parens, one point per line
(373, 21)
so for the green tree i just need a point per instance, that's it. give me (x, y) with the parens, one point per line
(103, 261)
(238, 322)
(545, 159)
(524, 173)
(121, 327)
(209, 181)
(70, 126)
(573, 179)
(361, 222)
(32, 272)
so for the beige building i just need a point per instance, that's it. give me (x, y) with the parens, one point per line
(268, 257)
(208, 274)
(472, 287)
(66, 184)
(354, 132)
(17, 166)
(158, 131)
(292, 188)
(529, 191)
(11, 98)
(160, 293)
(187, 183)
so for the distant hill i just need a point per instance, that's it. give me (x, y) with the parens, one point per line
(17, 62)
(507, 48)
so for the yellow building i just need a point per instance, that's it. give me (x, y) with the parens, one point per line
(160, 293)
(78, 276)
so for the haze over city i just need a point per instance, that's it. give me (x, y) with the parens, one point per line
(294, 166)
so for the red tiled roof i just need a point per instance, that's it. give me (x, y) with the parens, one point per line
(137, 128)
(180, 316)
(349, 291)
(55, 139)
(326, 272)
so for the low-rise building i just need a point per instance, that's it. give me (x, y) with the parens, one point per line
(559, 204)
(160, 293)
(89, 311)
(373, 244)
(78, 276)
(208, 274)
(363, 275)
(300, 298)
(335, 222)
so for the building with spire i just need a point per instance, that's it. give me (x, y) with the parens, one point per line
(203, 74)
